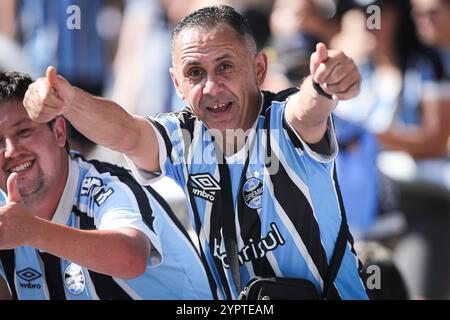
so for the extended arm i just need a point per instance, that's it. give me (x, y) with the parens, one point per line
(121, 252)
(101, 120)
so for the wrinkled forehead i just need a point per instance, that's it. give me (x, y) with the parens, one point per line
(204, 40)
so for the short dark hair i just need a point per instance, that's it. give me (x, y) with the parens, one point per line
(210, 17)
(13, 86)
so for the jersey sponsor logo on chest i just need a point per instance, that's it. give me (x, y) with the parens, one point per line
(204, 186)
(253, 250)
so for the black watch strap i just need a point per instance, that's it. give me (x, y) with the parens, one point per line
(320, 91)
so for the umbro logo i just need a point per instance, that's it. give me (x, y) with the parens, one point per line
(204, 186)
(29, 275)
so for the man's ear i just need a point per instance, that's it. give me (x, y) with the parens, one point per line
(261, 67)
(176, 83)
(60, 131)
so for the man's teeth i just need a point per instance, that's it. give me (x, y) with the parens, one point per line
(223, 105)
(22, 167)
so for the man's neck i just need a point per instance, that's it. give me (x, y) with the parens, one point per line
(46, 206)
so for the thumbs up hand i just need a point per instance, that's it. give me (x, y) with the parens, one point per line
(16, 222)
(13, 190)
(336, 73)
(48, 97)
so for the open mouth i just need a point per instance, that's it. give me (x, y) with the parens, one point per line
(220, 108)
(21, 168)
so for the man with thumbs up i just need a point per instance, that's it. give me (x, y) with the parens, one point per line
(79, 230)
(257, 168)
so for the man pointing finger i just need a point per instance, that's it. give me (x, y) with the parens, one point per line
(285, 222)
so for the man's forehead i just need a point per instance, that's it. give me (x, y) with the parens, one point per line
(426, 3)
(13, 113)
(202, 37)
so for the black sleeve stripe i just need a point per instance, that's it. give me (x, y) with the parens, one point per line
(125, 177)
(106, 288)
(292, 136)
(186, 120)
(281, 96)
(53, 276)
(8, 259)
(162, 131)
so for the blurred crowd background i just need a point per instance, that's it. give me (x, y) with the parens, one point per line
(393, 164)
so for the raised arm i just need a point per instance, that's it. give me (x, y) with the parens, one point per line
(101, 120)
(308, 111)
(121, 252)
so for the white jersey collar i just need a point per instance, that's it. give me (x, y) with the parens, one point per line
(64, 208)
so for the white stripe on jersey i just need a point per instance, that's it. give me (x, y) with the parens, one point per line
(90, 285)
(291, 229)
(274, 264)
(297, 181)
(127, 289)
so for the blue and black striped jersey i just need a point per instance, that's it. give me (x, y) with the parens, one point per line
(287, 207)
(102, 196)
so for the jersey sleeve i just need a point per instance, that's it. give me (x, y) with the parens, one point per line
(312, 172)
(173, 136)
(120, 202)
(288, 138)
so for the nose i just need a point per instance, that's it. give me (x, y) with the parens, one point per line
(11, 148)
(212, 86)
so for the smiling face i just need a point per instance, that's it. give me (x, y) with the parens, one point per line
(33, 150)
(219, 73)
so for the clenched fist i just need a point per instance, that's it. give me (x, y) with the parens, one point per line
(48, 97)
(336, 73)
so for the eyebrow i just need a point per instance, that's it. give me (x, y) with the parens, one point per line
(192, 62)
(19, 122)
(223, 57)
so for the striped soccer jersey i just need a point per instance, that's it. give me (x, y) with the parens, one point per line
(102, 196)
(287, 202)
